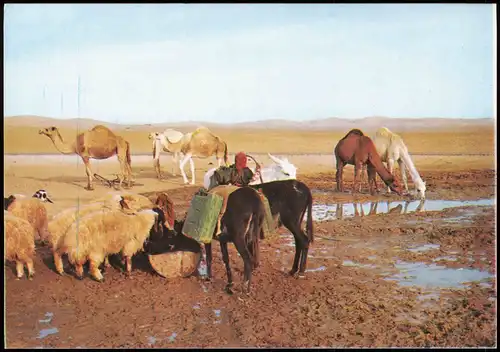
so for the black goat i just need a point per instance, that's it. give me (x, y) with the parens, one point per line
(289, 200)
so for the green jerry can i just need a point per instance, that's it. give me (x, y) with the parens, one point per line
(202, 217)
(269, 224)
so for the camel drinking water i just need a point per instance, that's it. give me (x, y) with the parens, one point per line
(97, 143)
(358, 150)
(391, 148)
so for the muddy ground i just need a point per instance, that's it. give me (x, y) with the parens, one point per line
(414, 276)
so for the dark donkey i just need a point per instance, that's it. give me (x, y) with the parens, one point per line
(289, 200)
(242, 224)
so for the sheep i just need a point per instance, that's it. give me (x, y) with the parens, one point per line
(31, 209)
(100, 234)
(19, 243)
(62, 222)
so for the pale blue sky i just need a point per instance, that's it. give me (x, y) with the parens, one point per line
(238, 62)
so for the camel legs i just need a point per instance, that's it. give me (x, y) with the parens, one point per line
(402, 169)
(372, 179)
(338, 175)
(357, 169)
(390, 167)
(156, 165)
(125, 170)
(174, 165)
(183, 162)
(88, 170)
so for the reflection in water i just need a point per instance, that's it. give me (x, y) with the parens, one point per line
(322, 212)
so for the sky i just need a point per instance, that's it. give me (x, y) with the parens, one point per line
(225, 63)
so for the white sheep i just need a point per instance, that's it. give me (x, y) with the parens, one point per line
(61, 222)
(19, 243)
(30, 209)
(100, 234)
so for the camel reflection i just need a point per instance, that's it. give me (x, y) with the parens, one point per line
(377, 207)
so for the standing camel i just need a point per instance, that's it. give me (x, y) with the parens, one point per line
(358, 150)
(168, 141)
(391, 148)
(97, 143)
(201, 143)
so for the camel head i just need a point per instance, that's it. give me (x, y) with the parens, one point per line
(50, 132)
(420, 188)
(287, 168)
(395, 186)
(153, 135)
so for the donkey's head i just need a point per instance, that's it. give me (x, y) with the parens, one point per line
(286, 168)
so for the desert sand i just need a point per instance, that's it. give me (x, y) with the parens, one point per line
(366, 284)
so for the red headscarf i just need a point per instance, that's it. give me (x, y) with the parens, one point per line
(240, 161)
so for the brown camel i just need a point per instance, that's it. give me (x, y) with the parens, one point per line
(97, 143)
(358, 150)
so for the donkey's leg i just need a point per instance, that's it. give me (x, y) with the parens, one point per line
(239, 243)
(181, 166)
(402, 169)
(225, 258)
(301, 247)
(192, 170)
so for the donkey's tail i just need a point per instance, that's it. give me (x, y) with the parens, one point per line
(309, 224)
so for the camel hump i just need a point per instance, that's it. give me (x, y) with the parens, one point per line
(100, 141)
(173, 136)
(100, 130)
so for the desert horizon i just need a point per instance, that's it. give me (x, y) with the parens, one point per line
(421, 135)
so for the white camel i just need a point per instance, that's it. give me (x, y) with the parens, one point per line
(282, 169)
(201, 143)
(168, 141)
(391, 148)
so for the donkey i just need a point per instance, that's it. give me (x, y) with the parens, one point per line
(289, 200)
(242, 224)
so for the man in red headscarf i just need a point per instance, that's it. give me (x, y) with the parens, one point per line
(242, 174)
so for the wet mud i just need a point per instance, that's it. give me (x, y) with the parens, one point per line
(396, 276)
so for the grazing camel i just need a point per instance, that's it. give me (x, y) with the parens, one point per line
(97, 143)
(391, 148)
(169, 141)
(201, 143)
(358, 150)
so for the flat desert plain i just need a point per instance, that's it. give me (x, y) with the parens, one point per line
(383, 270)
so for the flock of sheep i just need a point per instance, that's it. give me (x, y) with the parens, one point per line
(88, 232)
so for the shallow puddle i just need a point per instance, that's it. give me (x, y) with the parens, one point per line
(351, 263)
(323, 212)
(432, 275)
(46, 332)
(321, 268)
(425, 247)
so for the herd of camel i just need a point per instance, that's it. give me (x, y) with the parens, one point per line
(355, 148)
